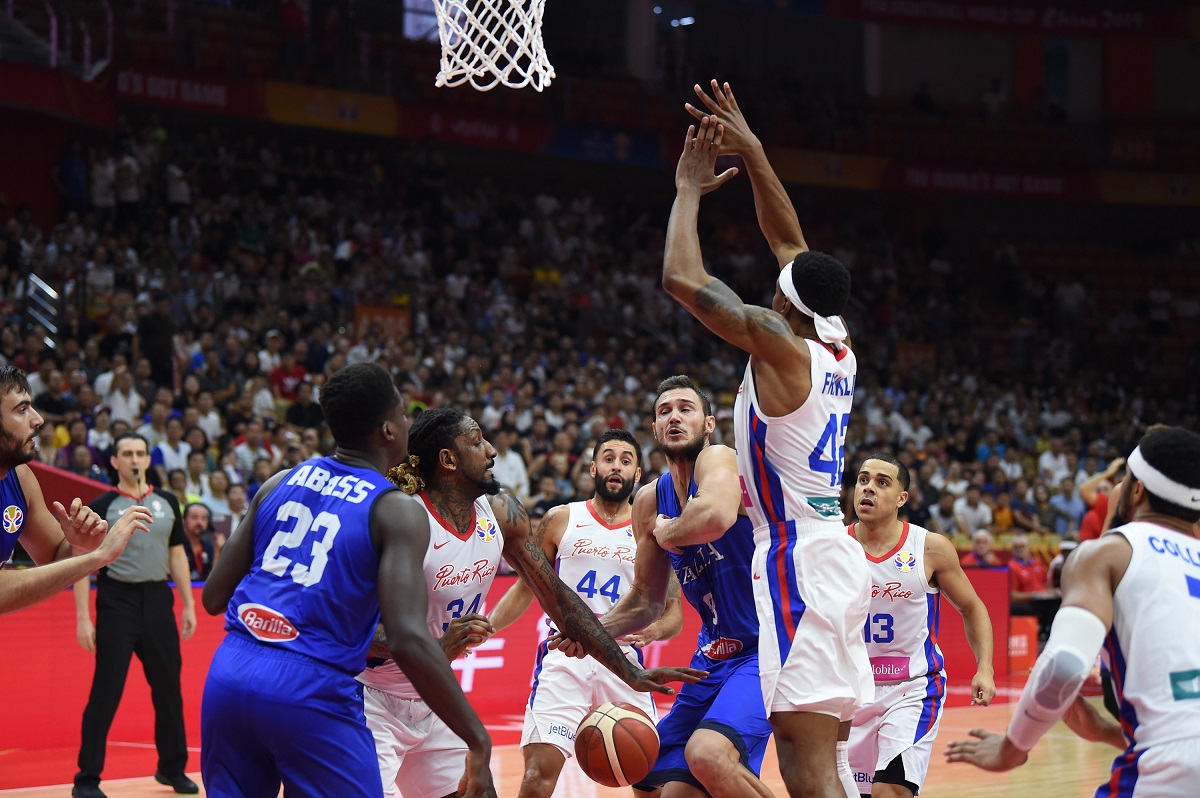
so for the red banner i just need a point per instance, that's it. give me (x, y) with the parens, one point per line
(212, 95)
(46, 89)
(989, 183)
(1055, 19)
(470, 128)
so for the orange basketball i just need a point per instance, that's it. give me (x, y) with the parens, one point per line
(616, 745)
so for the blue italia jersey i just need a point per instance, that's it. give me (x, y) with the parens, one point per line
(13, 512)
(715, 578)
(313, 585)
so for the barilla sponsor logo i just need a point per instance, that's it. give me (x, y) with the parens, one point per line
(722, 648)
(889, 669)
(266, 624)
(451, 576)
(585, 547)
(890, 591)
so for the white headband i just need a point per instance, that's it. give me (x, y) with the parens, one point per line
(830, 329)
(1160, 484)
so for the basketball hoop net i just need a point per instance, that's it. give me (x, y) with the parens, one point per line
(492, 42)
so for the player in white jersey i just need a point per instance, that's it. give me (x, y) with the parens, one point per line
(911, 569)
(1130, 595)
(591, 543)
(790, 420)
(472, 524)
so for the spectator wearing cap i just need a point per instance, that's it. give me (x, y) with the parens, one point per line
(1054, 571)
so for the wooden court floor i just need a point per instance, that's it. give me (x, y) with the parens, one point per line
(1062, 766)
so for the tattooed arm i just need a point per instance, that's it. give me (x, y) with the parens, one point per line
(513, 604)
(760, 331)
(565, 608)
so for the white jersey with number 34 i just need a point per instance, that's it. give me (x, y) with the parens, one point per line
(459, 571)
(791, 466)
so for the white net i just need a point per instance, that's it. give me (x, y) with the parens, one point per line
(490, 43)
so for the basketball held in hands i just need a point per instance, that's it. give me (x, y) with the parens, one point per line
(616, 745)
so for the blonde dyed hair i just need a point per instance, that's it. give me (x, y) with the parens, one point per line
(404, 475)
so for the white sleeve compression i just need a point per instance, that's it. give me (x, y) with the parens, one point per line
(1075, 640)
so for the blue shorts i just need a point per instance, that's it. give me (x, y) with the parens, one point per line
(271, 716)
(728, 702)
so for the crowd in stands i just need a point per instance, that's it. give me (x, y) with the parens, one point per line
(212, 281)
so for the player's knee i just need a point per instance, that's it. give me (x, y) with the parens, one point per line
(711, 757)
(542, 768)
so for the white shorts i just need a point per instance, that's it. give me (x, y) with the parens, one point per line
(415, 747)
(1166, 770)
(812, 591)
(902, 722)
(565, 690)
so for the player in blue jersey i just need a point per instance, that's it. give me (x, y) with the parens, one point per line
(47, 534)
(690, 520)
(325, 550)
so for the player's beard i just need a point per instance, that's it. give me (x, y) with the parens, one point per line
(13, 452)
(489, 485)
(1124, 513)
(686, 451)
(619, 495)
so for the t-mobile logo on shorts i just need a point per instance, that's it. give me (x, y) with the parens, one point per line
(889, 669)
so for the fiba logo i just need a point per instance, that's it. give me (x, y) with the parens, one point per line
(13, 518)
(905, 561)
(485, 529)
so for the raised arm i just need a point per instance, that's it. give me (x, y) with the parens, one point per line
(48, 537)
(713, 509)
(1087, 488)
(513, 604)
(565, 608)
(776, 215)
(754, 329)
(402, 527)
(950, 578)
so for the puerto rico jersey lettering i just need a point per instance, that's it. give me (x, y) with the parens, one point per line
(791, 466)
(595, 559)
(313, 585)
(715, 578)
(1153, 647)
(902, 625)
(13, 512)
(459, 570)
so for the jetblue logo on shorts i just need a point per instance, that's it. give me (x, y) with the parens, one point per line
(560, 730)
(1185, 685)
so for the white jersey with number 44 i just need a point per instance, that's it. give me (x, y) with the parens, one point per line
(791, 465)
(595, 559)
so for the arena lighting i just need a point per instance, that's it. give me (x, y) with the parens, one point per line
(658, 9)
(687, 21)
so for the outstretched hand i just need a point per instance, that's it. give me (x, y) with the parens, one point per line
(988, 751)
(724, 108)
(698, 161)
(655, 680)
